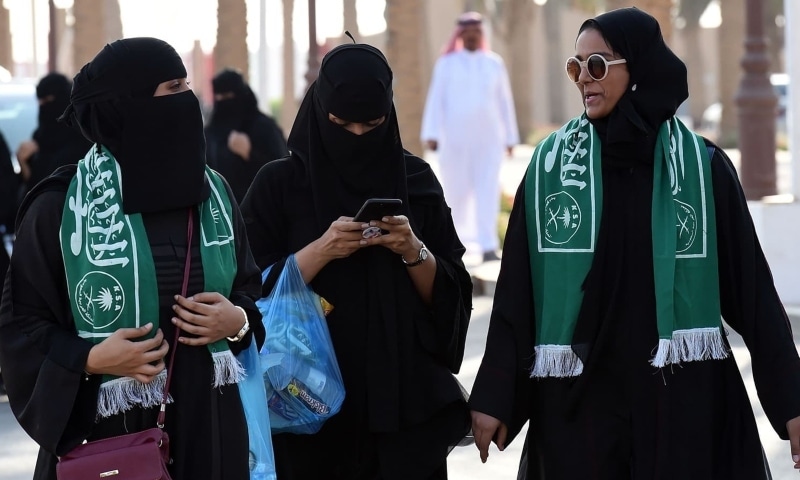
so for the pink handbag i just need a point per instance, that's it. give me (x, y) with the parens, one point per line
(136, 456)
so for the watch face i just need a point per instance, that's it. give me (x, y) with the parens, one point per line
(423, 254)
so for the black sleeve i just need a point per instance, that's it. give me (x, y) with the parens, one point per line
(9, 186)
(266, 141)
(749, 301)
(41, 355)
(446, 326)
(247, 284)
(266, 228)
(502, 384)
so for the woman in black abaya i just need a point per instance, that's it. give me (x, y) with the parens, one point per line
(619, 392)
(399, 317)
(240, 138)
(85, 360)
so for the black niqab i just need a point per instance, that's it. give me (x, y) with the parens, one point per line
(345, 169)
(157, 141)
(236, 112)
(658, 85)
(53, 93)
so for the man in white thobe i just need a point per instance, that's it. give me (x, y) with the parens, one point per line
(469, 118)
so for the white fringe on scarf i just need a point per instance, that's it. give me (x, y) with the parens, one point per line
(124, 393)
(556, 361)
(689, 346)
(227, 369)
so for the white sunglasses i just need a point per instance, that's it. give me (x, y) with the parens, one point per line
(596, 65)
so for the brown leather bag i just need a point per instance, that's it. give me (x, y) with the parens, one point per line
(136, 456)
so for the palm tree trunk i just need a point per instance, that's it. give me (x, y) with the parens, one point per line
(520, 62)
(350, 18)
(406, 52)
(231, 47)
(96, 23)
(6, 58)
(289, 103)
(731, 51)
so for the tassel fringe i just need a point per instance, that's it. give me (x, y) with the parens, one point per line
(691, 345)
(556, 361)
(124, 393)
(227, 369)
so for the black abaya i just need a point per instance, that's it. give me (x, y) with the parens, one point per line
(623, 419)
(408, 435)
(43, 358)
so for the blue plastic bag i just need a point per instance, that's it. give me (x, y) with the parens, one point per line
(303, 383)
(253, 395)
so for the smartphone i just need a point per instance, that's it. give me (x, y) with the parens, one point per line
(377, 208)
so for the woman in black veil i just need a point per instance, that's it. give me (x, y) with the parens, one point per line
(401, 301)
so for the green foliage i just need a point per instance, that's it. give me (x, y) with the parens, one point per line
(275, 106)
(506, 203)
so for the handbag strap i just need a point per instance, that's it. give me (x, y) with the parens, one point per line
(162, 413)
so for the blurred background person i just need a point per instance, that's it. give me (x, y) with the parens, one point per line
(240, 138)
(53, 144)
(9, 183)
(469, 119)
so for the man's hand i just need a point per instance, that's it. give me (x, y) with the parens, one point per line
(484, 428)
(793, 427)
(239, 143)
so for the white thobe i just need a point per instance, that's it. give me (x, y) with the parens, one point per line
(469, 112)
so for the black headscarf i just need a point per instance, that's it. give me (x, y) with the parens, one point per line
(345, 169)
(658, 84)
(53, 93)
(157, 141)
(238, 111)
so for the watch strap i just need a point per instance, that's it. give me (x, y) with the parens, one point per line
(421, 257)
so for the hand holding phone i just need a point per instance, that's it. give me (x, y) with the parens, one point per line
(376, 209)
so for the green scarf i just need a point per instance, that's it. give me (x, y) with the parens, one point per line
(563, 204)
(111, 276)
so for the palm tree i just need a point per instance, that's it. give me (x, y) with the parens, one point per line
(350, 17)
(511, 24)
(289, 103)
(731, 50)
(406, 52)
(231, 47)
(97, 22)
(691, 12)
(6, 59)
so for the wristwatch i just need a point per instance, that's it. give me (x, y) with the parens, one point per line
(245, 328)
(423, 255)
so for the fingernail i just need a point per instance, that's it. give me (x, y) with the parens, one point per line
(174, 320)
(176, 297)
(796, 458)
